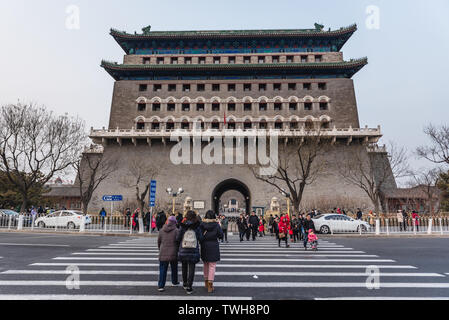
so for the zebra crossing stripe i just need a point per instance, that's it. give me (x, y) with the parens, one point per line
(303, 253)
(230, 259)
(281, 266)
(221, 273)
(271, 285)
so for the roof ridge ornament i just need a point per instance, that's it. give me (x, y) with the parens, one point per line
(146, 30)
(319, 27)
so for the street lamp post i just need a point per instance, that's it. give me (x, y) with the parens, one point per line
(174, 195)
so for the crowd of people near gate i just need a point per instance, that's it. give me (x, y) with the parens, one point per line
(188, 239)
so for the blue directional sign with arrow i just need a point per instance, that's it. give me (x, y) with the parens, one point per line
(153, 193)
(113, 198)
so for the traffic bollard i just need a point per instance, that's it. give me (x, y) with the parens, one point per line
(83, 224)
(9, 223)
(20, 223)
(388, 227)
(377, 227)
(429, 230)
(441, 226)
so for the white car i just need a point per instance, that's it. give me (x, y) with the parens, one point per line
(63, 219)
(328, 223)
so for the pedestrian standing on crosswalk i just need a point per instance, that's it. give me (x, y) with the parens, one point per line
(242, 226)
(283, 231)
(168, 253)
(308, 225)
(210, 248)
(189, 237)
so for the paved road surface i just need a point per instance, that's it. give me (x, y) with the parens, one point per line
(35, 267)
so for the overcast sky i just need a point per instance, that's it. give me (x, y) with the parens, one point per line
(402, 89)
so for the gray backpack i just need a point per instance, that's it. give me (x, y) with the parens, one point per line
(189, 240)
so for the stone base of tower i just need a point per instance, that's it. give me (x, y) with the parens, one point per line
(206, 183)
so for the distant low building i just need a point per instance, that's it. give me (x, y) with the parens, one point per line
(63, 195)
(421, 198)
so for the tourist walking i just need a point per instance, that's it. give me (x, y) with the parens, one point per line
(242, 226)
(147, 221)
(283, 232)
(179, 218)
(415, 217)
(270, 224)
(189, 237)
(296, 228)
(127, 217)
(224, 226)
(136, 219)
(160, 220)
(253, 224)
(400, 218)
(405, 216)
(102, 216)
(168, 253)
(308, 225)
(372, 218)
(261, 227)
(210, 248)
(248, 229)
(153, 223)
(359, 214)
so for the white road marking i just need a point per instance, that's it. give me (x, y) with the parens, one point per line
(114, 297)
(415, 285)
(229, 251)
(200, 265)
(303, 253)
(232, 273)
(229, 259)
(33, 245)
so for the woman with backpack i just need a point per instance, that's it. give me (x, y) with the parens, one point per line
(189, 237)
(210, 248)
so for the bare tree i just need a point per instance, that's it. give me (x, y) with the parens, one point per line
(374, 170)
(297, 166)
(427, 179)
(35, 145)
(92, 169)
(438, 150)
(140, 174)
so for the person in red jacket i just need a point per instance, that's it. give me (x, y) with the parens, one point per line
(283, 231)
(261, 227)
(415, 217)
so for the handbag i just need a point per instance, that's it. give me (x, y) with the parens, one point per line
(281, 235)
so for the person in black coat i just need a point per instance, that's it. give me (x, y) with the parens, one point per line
(253, 223)
(307, 225)
(189, 254)
(243, 226)
(210, 248)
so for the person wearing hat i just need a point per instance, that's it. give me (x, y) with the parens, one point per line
(168, 253)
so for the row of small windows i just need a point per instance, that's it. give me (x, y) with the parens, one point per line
(232, 60)
(201, 87)
(186, 107)
(247, 125)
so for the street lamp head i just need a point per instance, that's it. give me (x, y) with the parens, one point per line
(169, 190)
(181, 190)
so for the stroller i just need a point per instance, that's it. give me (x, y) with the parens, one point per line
(313, 240)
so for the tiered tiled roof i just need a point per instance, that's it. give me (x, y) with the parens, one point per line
(348, 68)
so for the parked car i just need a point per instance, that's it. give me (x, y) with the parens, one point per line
(338, 223)
(5, 215)
(63, 219)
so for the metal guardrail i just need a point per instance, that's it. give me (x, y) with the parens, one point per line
(95, 224)
(122, 224)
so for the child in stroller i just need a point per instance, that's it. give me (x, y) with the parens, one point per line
(313, 240)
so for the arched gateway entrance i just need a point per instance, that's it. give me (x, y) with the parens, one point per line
(227, 185)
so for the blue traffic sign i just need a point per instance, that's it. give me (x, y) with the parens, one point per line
(153, 193)
(113, 198)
